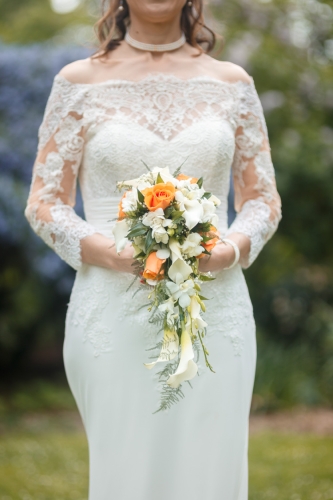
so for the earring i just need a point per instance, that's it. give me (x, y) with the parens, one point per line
(121, 6)
(189, 4)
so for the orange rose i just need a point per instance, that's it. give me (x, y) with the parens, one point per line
(121, 213)
(153, 267)
(210, 244)
(159, 196)
(183, 177)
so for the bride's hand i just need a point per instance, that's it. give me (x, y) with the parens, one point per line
(222, 256)
(123, 262)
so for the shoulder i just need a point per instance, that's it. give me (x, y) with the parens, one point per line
(225, 70)
(80, 71)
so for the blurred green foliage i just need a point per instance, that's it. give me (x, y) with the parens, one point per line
(287, 46)
(29, 21)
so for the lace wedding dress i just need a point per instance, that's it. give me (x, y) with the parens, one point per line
(102, 133)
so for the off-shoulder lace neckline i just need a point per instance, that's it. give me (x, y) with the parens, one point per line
(158, 77)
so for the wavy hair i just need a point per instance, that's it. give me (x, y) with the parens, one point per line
(111, 27)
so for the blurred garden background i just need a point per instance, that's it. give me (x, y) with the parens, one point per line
(287, 46)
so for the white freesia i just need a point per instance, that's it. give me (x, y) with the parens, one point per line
(192, 209)
(120, 230)
(169, 350)
(215, 200)
(182, 292)
(194, 192)
(191, 246)
(168, 307)
(130, 201)
(179, 271)
(157, 222)
(187, 368)
(209, 209)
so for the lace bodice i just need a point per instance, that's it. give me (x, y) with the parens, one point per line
(105, 132)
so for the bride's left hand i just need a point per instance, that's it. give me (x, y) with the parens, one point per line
(222, 256)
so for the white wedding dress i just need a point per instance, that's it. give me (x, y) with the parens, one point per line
(102, 133)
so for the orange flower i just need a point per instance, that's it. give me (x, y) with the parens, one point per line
(153, 267)
(121, 213)
(183, 177)
(210, 244)
(159, 196)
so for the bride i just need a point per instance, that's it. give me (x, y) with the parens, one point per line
(152, 95)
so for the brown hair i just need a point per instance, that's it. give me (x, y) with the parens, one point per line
(112, 26)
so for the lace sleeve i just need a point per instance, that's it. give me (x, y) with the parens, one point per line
(257, 201)
(53, 189)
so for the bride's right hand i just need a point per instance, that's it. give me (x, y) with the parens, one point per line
(123, 262)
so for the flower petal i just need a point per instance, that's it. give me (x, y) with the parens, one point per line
(179, 271)
(120, 230)
(163, 253)
(169, 350)
(187, 368)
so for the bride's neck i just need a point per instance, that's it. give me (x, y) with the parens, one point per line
(155, 33)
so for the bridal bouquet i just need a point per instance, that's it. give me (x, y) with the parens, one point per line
(171, 222)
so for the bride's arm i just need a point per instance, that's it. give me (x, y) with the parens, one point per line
(257, 201)
(53, 189)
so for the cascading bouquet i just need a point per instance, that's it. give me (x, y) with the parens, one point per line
(171, 222)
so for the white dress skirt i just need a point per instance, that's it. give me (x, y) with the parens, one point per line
(102, 133)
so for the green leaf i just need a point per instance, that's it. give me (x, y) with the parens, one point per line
(200, 182)
(149, 241)
(136, 232)
(207, 195)
(141, 198)
(159, 179)
(176, 214)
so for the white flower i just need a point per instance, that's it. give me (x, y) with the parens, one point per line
(158, 223)
(168, 307)
(182, 292)
(130, 200)
(197, 322)
(191, 245)
(187, 368)
(215, 200)
(179, 271)
(120, 230)
(209, 210)
(192, 209)
(165, 175)
(163, 253)
(169, 350)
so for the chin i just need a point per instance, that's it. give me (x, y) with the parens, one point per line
(156, 10)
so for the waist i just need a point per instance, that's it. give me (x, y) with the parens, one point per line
(102, 213)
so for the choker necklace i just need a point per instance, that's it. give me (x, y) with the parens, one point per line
(164, 47)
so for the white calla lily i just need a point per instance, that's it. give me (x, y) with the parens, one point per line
(192, 209)
(169, 350)
(187, 368)
(179, 271)
(120, 231)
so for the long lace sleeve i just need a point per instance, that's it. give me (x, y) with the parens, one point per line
(257, 201)
(53, 189)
